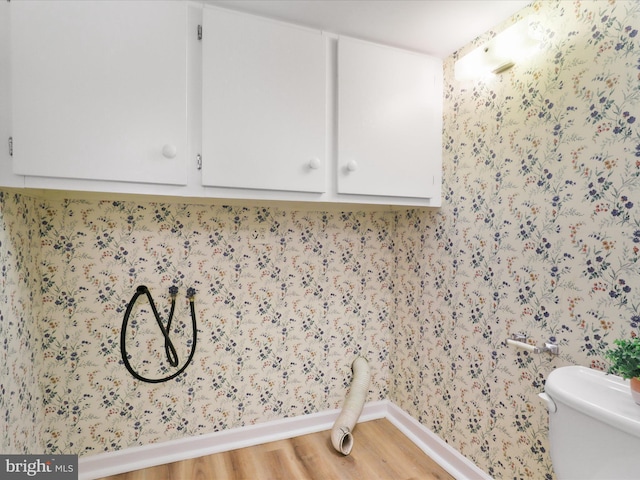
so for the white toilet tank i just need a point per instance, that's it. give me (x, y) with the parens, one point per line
(594, 425)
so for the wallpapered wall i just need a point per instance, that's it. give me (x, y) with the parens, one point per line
(285, 302)
(20, 359)
(539, 233)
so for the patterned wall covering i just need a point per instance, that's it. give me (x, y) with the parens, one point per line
(539, 233)
(285, 301)
(20, 360)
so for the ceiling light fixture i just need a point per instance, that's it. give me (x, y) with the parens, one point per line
(499, 54)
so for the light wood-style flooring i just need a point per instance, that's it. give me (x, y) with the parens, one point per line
(380, 452)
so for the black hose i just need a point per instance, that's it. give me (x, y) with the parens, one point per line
(170, 350)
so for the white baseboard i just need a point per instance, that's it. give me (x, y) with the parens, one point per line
(459, 466)
(112, 463)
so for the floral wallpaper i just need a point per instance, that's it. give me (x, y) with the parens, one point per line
(539, 233)
(285, 301)
(20, 362)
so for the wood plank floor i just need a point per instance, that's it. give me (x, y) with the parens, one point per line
(380, 452)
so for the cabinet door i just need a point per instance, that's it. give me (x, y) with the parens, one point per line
(264, 103)
(7, 177)
(99, 90)
(389, 121)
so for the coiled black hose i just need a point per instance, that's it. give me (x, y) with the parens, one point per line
(170, 350)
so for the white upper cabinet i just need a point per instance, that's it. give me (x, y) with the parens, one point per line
(123, 96)
(389, 122)
(264, 104)
(99, 90)
(7, 177)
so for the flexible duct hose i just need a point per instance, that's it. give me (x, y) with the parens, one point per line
(341, 437)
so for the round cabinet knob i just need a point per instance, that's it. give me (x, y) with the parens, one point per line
(352, 166)
(169, 151)
(314, 163)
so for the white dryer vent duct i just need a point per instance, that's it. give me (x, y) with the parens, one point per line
(341, 437)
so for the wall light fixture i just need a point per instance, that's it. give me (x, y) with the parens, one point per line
(499, 54)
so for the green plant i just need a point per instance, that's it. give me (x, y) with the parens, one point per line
(625, 359)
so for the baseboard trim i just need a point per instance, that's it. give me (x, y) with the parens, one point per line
(456, 464)
(112, 463)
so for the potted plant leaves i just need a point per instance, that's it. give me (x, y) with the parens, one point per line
(625, 362)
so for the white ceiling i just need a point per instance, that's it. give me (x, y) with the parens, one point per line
(435, 27)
